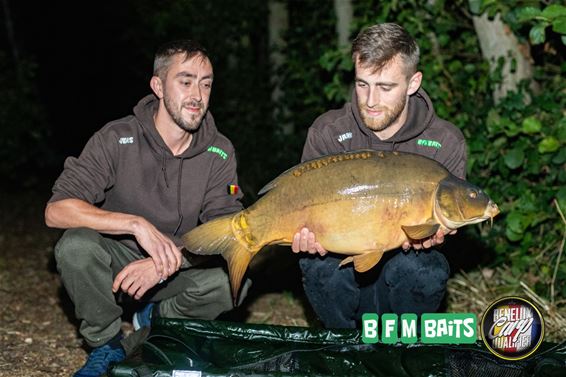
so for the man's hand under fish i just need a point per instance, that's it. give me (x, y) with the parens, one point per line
(305, 240)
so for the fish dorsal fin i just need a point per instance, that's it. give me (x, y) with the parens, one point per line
(421, 231)
(269, 186)
(318, 163)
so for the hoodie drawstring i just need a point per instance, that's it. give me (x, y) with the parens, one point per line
(164, 168)
(179, 181)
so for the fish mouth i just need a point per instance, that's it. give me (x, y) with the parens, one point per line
(491, 211)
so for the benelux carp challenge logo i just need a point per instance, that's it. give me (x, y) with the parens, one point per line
(512, 328)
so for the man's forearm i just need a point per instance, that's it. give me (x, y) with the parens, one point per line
(75, 213)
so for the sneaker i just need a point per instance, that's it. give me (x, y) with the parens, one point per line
(142, 318)
(99, 360)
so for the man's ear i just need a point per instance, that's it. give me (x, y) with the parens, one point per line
(415, 83)
(157, 86)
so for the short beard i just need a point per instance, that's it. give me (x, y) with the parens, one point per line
(189, 126)
(391, 116)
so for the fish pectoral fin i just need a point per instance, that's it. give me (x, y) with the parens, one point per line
(421, 231)
(365, 262)
(346, 261)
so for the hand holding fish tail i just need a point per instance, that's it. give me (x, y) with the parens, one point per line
(305, 240)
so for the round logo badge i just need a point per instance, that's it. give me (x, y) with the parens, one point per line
(512, 328)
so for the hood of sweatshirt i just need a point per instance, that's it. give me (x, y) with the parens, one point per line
(202, 138)
(420, 115)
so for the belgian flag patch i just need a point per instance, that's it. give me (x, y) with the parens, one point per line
(233, 189)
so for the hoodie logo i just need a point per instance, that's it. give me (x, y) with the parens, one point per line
(346, 136)
(218, 151)
(126, 140)
(429, 143)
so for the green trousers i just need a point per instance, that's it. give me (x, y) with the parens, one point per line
(88, 262)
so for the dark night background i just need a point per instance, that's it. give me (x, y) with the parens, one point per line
(89, 70)
(71, 67)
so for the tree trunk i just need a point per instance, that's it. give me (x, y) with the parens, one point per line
(278, 25)
(498, 41)
(344, 14)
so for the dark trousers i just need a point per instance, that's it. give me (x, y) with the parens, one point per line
(401, 283)
(88, 262)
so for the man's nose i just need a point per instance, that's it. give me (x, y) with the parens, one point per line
(373, 98)
(195, 93)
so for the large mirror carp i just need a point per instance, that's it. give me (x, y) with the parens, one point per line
(360, 204)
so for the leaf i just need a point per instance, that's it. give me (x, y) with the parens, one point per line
(563, 38)
(527, 13)
(511, 129)
(531, 125)
(516, 222)
(493, 122)
(548, 144)
(537, 33)
(475, 6)
(559, 25)
(514, 158)
(554, 11)
(560, 157)
(513, 236)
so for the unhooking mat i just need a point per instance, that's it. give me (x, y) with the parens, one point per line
(191, 348)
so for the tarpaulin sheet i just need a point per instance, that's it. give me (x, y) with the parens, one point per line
(192, 348)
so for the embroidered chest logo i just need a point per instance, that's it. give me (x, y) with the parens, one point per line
(346, 136)
(429, 143)
(218, 151)
(126, 140)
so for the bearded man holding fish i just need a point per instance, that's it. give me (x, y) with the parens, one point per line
(389, 111)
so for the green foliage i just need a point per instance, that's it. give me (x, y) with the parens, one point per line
(539, 15)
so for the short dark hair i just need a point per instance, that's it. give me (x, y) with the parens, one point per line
(377, 45)
(165, 52)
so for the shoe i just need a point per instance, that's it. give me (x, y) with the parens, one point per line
(142, 318)
(99, 360)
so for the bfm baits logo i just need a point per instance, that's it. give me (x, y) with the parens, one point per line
(512, 328)
(435, 328)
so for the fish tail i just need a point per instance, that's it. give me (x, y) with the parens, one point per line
(230, 237)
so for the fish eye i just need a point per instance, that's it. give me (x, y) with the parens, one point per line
(473, 194)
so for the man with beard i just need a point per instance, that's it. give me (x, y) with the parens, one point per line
(140, 183)
(388, 112)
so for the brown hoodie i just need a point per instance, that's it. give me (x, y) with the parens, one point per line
(126, 167)
(423, 133)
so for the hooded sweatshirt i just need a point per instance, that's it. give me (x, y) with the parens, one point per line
(127, 167)
(423, 133)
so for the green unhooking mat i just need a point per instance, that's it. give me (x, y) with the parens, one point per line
(183, 348)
